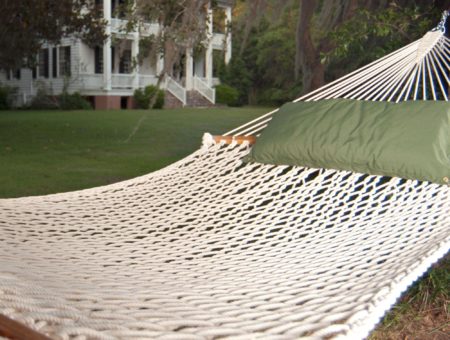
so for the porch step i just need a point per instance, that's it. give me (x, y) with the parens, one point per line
(194, 99)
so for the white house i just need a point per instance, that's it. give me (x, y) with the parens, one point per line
(106, 74)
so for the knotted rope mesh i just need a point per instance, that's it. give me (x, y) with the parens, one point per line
(212, 248)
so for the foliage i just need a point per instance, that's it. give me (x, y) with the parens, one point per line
(143, 97)
(434, 288)
(422, 310)
(182, 28)
(276, 46)
(74, 101)
(44, 98)
(227, 95)
(276, 96)
(236, 75)
(370, 35)
(24, 25)
(263, 73)
(6, 96)
(336, 37)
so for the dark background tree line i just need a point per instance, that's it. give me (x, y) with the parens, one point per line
(284, 48)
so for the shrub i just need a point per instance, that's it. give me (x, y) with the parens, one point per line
(6, 97)
(142, 97)
(43, 103)
(277, 96)
(43, 100)
(228, 95)
(238, 75)
(73, 101)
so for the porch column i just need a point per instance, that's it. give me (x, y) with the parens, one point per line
(189, 70)
(228, 35)
(134, 57)
(107, 46)
(209, 49)
(159, 64)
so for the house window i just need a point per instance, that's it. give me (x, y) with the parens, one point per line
(64, 61)
(125, 62)
(44, 63)
(55, 62)
(118, 8)
(17, 74)
(98, 59)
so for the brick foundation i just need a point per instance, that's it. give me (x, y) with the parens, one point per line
(106, 102)
(113, 102)
(171, 102)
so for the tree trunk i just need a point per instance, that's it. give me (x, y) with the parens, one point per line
(171, 56)
(307, 55)
(307, 62)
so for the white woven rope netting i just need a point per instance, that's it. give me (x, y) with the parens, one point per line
(212, 248)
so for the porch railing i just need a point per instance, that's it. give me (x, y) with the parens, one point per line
(118, 25)
(122, 81)
(145, 80)
(90, 81)
(176, 89)
(204, 89)
(93, 81)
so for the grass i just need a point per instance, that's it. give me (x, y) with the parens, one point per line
(47, 152)
(423, 312)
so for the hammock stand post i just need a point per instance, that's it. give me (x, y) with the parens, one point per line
(14, 330)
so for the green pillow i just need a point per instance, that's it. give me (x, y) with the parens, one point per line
(408, 140)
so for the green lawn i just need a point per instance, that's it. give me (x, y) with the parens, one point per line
(55, 151)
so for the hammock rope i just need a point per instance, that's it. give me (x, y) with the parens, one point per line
(418, 71)
(211, 248)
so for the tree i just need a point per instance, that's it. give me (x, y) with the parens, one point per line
(330, 30)
(263, 52)
(369, 35)
(331, 13)
(26, 24)
(251, 13)
(330, 37)
(183, 28)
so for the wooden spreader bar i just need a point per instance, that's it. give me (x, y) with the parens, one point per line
(237, 139)
(14, 330)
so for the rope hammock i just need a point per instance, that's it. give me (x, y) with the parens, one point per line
(211, 247)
